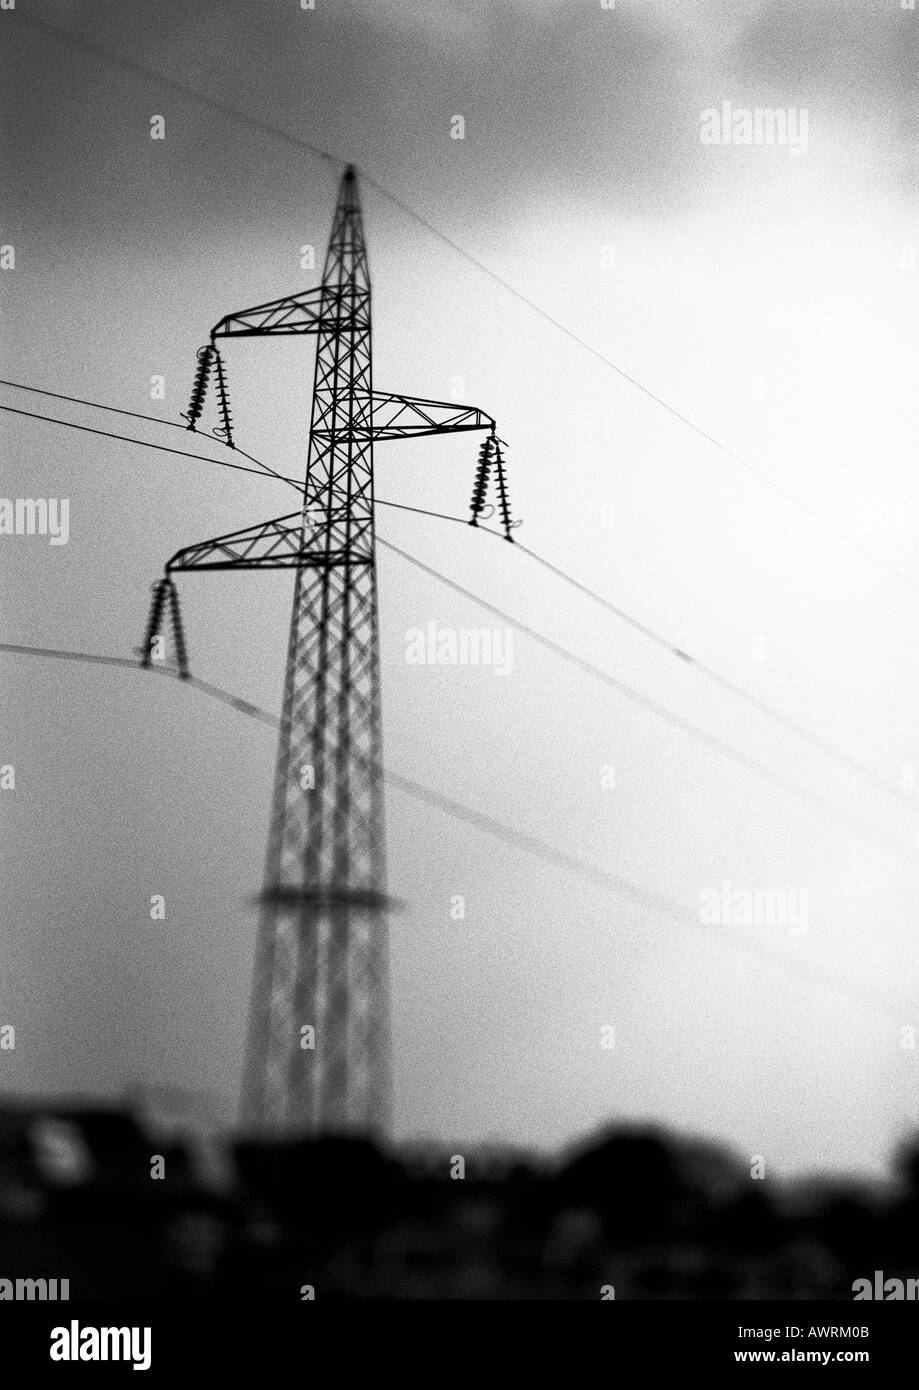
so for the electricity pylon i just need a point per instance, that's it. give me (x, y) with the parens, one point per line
(318, 1051)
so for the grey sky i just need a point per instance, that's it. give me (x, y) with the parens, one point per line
(768, 298)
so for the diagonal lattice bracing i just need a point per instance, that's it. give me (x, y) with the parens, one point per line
(317, 1058)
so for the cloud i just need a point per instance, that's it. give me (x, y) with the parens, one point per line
(556, 101)
(855, 59)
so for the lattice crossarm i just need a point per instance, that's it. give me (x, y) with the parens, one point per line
(287, 542)
(394, 416)
(327, 309)
(270, 540)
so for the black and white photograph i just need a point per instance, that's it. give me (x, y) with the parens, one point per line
(459, 687)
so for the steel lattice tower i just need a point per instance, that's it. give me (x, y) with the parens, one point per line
(321, 955)
(321, 950)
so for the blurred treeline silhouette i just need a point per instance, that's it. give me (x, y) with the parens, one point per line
(631, 1212)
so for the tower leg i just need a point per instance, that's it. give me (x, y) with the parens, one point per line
(322, 953)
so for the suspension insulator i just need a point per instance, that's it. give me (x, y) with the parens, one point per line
(178, 633)
(199, 389)
(480, 485)
(224, 430)
(160, 591)
(503, 500)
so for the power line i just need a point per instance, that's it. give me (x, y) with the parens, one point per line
(259, 469)
(712, 740)
(267, 127)
(152, 74)
(61, 654)
(564, 653)
(635, 891)
(154, 419)
(821, 744)
(144, 444)
(800, 730)
(97, 405)
(625, 888)
(740, 692)
(529, 844)
(96, 659)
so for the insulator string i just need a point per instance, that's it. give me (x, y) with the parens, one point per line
(480, 486)
(178, 632)
(199, 389)
(160, 590)
(503, 500)
(224, 430)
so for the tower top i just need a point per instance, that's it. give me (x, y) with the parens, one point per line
(346, 258)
